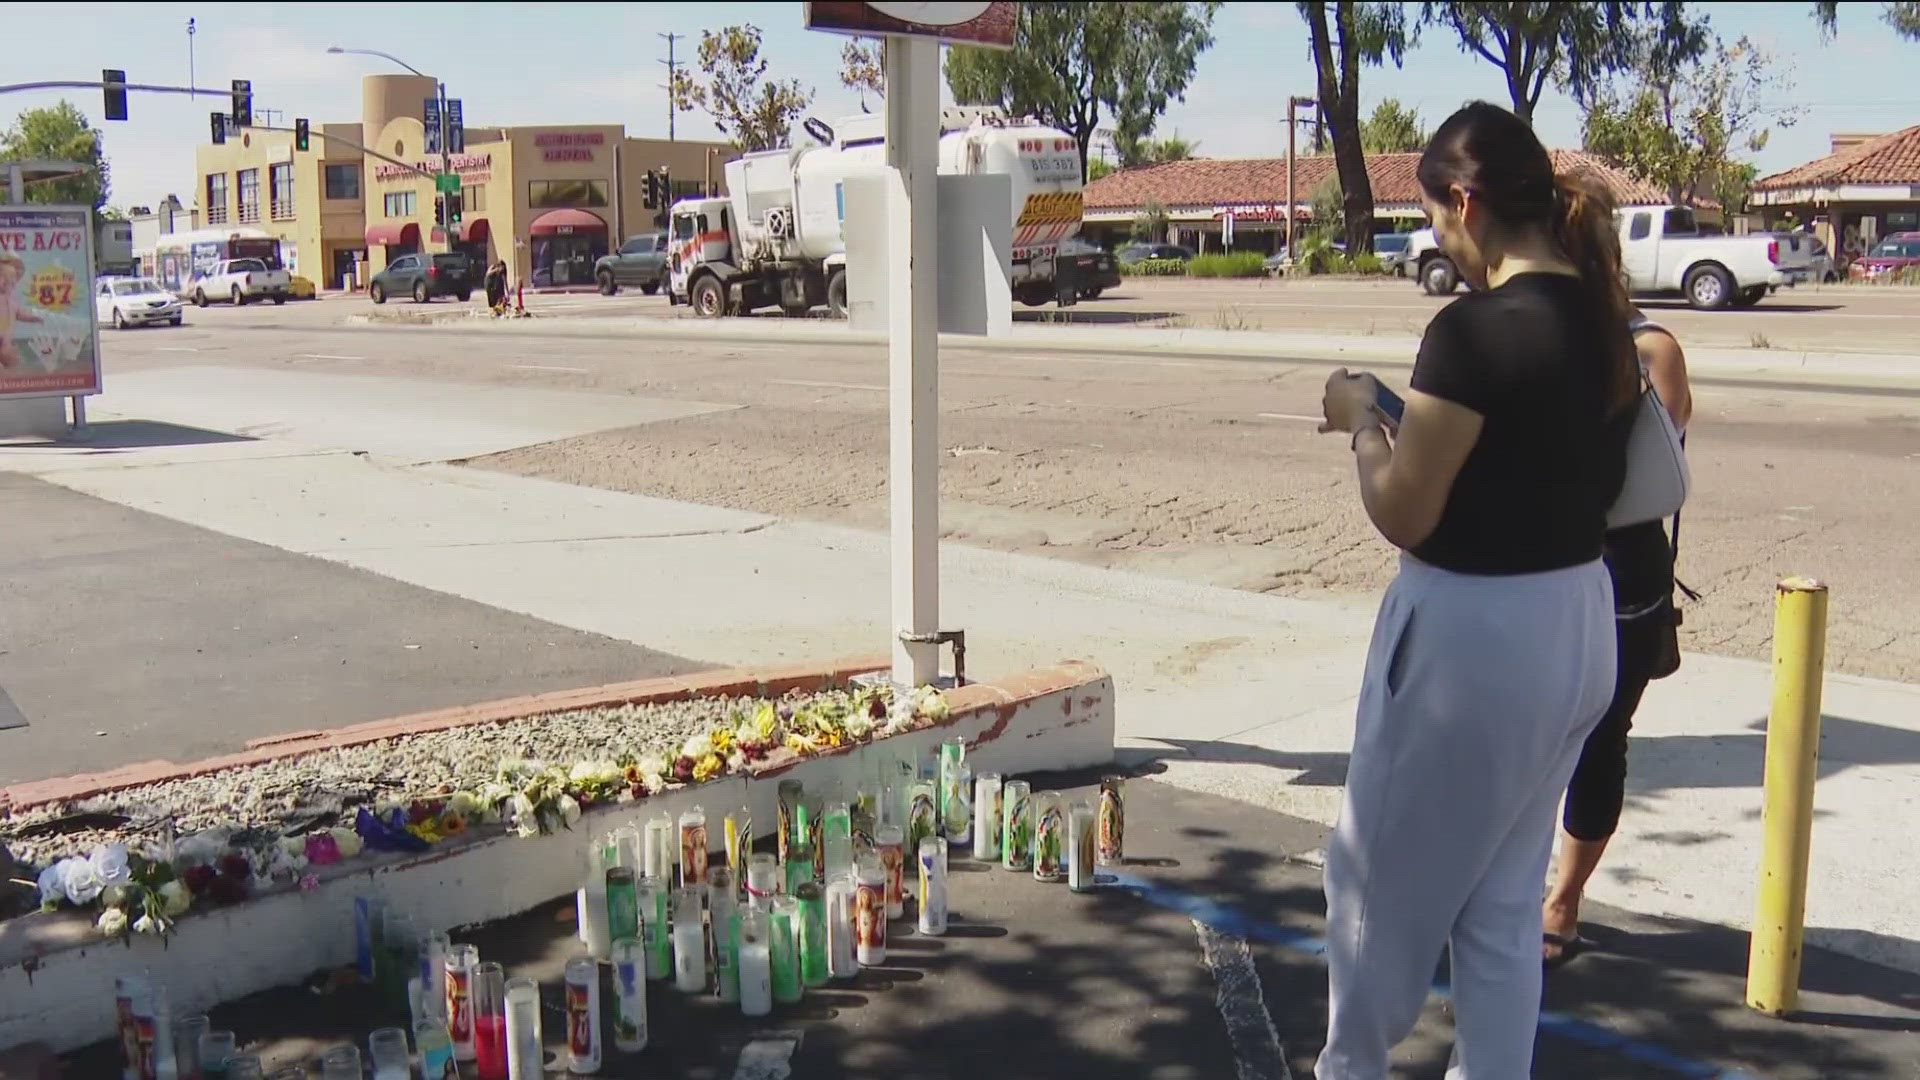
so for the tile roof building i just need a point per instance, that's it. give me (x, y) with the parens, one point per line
(1199, 194)
(1867, 188)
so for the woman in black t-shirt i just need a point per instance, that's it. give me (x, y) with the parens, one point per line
(1493, 655)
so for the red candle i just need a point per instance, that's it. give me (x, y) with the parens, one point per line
(490, 1046)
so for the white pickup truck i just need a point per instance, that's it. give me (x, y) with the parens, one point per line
(1665, 253)
(240, 280)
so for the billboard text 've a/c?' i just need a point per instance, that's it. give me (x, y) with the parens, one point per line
(49, 344)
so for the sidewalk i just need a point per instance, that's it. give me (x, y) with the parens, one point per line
(1196, 960)
(1233, 693)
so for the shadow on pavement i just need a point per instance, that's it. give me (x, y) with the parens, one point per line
(112, 435)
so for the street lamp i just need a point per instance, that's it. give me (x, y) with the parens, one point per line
(446, 152)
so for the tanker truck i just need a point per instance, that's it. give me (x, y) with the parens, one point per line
(775, 239)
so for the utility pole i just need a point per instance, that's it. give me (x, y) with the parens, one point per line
(1292, 122)
(190, 57)
(673, 66)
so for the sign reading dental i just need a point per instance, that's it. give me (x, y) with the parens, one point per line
(469, 167)
(569, 145)
(49, 343)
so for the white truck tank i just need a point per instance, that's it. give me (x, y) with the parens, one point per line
(792, 202)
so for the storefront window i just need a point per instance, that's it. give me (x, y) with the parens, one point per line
(549, 194)
(399, 204)
(473, 200)
(281, 178)
(249, 194)
(216, 198)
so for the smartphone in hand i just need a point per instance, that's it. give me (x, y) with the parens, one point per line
(1388, 404)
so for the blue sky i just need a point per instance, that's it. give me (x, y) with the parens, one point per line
(597, 63)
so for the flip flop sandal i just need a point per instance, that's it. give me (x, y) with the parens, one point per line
(1569, 946)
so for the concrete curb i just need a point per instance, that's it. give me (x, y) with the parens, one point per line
(57, 973)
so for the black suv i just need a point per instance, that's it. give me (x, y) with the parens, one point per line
(424, 277)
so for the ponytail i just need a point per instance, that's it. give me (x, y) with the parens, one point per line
(1585, 227)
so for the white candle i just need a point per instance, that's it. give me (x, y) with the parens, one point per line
(630, 987)
(526, 1060)
(986, 816)
(689, 941)
(841, 961)
(756, 963)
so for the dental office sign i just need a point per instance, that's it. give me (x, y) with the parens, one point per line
(49, 343)
(988, 24)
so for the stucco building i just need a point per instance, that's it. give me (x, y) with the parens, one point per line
(548, 200)
(1866, 188)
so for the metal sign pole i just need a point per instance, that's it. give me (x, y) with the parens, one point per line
(913, 143)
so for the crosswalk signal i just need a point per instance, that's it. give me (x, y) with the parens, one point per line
(116, 88)
(300, 135)
(455, 205)
(242, 103)
(219, 128)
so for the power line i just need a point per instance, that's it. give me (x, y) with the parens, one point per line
(673, 66)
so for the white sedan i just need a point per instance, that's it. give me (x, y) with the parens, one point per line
(126, 302)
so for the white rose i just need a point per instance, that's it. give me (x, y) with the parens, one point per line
(82, 881)
(697, 747)
(737, 761)
(652, 767)
(294, 845)
(584, 772)
(205, 846)
(145, 924)
(175, 899)
(113, 922)
(347, 841)
(53, 885)
(110, 862)
(569, 810)
(745, 732)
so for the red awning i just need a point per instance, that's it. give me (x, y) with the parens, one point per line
(476, 231)
(398, 232)
(566, 223)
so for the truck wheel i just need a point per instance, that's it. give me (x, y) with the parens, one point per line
(420, 295)
(650, 288)
(837, 293)
(376, 292)
(1709, 288)
(239, 298)
(608, 286)
(1034, 294)
(200, 297)
(1092, 293)
(279, 298)
(1750, 297)
(708, 298)
(1438, 276)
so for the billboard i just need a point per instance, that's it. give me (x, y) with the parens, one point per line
(989, 24)
(49, 337)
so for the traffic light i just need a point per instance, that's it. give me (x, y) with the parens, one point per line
(440, 209)
(242, 103)
(116, 81)
(219, 128)
(300, 135)
(456, 203)
(650, 190)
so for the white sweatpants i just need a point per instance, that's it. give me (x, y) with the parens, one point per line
(1478, 694)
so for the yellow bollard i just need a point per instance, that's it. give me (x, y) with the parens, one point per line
(1793, 758)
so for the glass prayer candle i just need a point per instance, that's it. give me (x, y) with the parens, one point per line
(658, 854)
(986, 816)
(433, 972)
(763, 880)
(787, 987)
(216, 1050)
(870, 912)
(630, 993)
(932, 897)
(756, 962)
(841, 962)
(583, 1015)
(399, 957)
(623, 908)
(739, 842)
(693, 849)
(388, 1048)
(812, 943)
(461, 960)
(799, 864)
(340, 1063)
(889, 845)
(590, 904)
(526, 1060)
(689, 940)
(186, 1045)
(723, 903)
(788, 794)
(1049, 838)
(655, 932)
(836, 836)
(490, 1021)
(247, 1067)
(1081, 845)
(435, 1046)
(1016, 826)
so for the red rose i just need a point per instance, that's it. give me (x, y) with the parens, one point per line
(235, 865)
(198, 877)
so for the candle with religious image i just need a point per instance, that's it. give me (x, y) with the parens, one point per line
(630, 987)
(1049, 838)
(870, 912)
(693, 849)
(890, 846)
(739, 842)
(583, 1015)
(1112, 825)
(1081, 843)
(1016, 826)
(986, 816)
(461, 960)
(933, 886)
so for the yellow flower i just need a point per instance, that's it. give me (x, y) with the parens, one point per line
(708, 767)
(765, 720)
(425, 831)
(452, 824)
(722, 740)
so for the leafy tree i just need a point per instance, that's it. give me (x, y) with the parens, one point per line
(1344, 35)
(755, 112)
(1155, 151)
(1072, 62)
(1683, 128)
(1099, 167)
(1578, 44)
(1392, 129)
(1150, 225)
(60, 133)
(1903, 16)
(863, 68)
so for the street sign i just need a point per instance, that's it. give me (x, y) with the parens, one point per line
(456, 128)
(432, 121)
(447, 183)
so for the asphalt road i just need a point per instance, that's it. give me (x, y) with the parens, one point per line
(1199, 469)
(1842, 318)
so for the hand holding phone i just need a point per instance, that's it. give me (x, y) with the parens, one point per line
(1389, 405)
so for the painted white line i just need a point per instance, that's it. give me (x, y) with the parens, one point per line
(1116, 360)
(545, 367)
(1256, 1045)
(176, 348)
(767, 1059)
(827, 385)
(324, 356)
(1290, 416)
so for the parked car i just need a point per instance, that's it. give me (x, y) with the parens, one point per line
(1710, 270)
(239, 280)
(301, 288)
(1897, 255)
(1277, 262)
(1392, 250)
(641, 261)
(1094, 269)
(125, 302)
(424, 277)
(1134, 254)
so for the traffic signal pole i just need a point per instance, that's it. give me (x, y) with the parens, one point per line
(446, 167)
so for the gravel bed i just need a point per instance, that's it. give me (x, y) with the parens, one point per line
(290, 792)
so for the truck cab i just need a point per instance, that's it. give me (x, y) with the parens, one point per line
(1664, 251)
